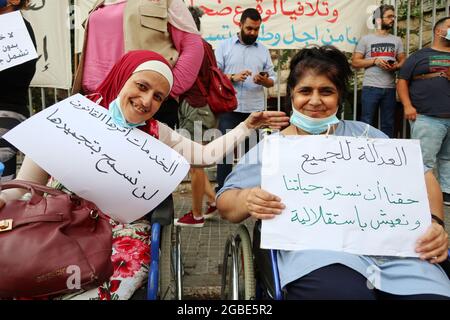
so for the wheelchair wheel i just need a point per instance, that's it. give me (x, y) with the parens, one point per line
(227, 290)
(170, 267)
(238, 276)
(246, 269)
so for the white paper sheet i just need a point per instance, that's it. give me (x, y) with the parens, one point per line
(358, 195)
(125, 172)
(16, 46)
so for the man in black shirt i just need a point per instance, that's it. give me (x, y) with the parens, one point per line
(424, 89)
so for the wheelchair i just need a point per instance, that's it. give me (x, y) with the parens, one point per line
(251, 273)
(165, 270)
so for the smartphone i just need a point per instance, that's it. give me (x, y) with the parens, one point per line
(264, 74)
(391, 62)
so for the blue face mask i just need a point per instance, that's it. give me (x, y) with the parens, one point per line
(115, 111)
(312, 125)
(3, 3)
(448, 34)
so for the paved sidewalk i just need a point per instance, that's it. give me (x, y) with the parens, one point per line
(203, 249)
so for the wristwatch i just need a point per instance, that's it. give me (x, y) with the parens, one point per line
(438, 220)
(231, 77)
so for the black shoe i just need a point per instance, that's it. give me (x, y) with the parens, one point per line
(446, 198)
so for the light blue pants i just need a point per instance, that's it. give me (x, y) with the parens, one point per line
(434, 136)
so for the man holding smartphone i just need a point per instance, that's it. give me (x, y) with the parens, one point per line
(248, 64)
(381, 54)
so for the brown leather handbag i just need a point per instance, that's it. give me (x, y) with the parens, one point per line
(53, 244)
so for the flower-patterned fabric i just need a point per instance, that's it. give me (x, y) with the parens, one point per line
(130, 258)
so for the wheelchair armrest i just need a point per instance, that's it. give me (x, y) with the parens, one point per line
(164, 212)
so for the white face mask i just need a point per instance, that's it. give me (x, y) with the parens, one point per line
(115, 111)
(312, 125)
(447, 36)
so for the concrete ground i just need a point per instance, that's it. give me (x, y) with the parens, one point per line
(202, 250)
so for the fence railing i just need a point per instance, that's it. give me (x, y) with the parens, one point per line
(414, 26)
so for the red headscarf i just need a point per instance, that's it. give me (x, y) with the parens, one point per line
(120, 73)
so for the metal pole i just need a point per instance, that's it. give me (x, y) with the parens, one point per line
(447, 8)
(434, 20)
(42, 98)
(408, 48)
(30, 102)
(408, 27)
(279, 80)
(421, 25)
(355, 93)
(396, 18)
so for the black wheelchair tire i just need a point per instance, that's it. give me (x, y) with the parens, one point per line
(226, 287)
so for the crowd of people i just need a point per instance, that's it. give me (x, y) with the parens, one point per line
(147, 73)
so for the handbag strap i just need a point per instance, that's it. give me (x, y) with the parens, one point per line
(36, 189)
(201, 87)
(23, 184)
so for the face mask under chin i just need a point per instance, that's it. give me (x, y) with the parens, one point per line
(115, 111)
(447, 36)
(312, 125)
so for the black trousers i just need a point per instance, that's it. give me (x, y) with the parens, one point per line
(228, 121)
(339, 282)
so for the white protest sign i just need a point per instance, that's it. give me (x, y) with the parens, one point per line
(125, 172)
(16, 46)
(358, 195)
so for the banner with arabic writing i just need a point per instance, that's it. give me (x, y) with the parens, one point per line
(51, 25)
(357, 195)
(124, 171)
(290, 24)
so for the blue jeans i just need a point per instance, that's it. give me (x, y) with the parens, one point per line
(434, 136)
(384, 98)
(228, 121)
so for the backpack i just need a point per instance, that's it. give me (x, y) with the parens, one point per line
(220, 94)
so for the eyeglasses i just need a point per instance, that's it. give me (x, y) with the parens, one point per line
(390, 17)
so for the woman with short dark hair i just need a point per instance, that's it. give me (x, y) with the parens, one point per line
(317, 86)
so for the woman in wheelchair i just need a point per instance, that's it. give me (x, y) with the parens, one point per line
(133, 91)
(317, 84)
